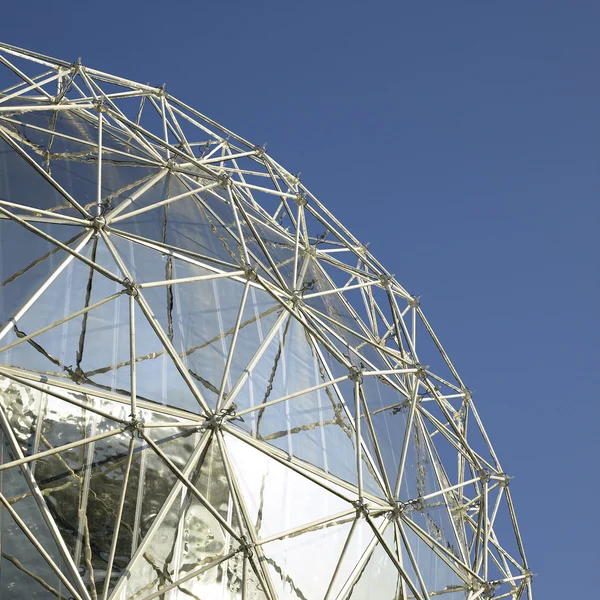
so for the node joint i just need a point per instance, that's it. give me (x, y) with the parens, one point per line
(260, 150)
(100, 106)
(355, 374)
(250, 272)
(131, 288)
(415, 301)
(300, 199)
(484, 475)
(246, 547)
(386, 280)
(215, 421)
(421, 371)
(224, 180)
(98, 222)
(398, 509)
(135, 427)
(362, 510)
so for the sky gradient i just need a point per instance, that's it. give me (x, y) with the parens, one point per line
(461, 140)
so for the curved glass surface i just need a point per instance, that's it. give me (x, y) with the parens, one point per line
(209, 389)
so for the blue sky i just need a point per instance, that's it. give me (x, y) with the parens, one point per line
(461, 139)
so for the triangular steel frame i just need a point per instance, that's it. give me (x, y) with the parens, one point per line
(279, 241)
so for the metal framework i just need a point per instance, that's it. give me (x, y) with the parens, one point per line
(209, 388)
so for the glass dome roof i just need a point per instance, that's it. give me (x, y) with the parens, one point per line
(209, 388)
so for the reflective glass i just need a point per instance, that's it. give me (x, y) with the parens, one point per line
(193, 422)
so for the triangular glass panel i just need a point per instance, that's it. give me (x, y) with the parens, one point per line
(378, 458)
(199, 318)
(27, 260)
(158, 379)
(216, 580)
(73, 161)
(302, 565)
(437, 576)
(185, 223)
(62, 350)
(24, 573)
(189, 535)
(331, 304)
(313, 426)
(280, 246)
(278, 499)
(380, 578)
(38, 193)
(358, 543)
(83, 486)
(437, 515)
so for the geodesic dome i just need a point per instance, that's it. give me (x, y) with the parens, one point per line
(209, 388)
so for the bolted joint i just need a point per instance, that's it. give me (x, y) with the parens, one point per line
(300, 199)
(362, 249)
(260, 150)
(131, 288)
(246, 547)
(296, 298)
(98, 222)
(417, 504)
(386, 280)
(489, 587)
(527, 574)
(484, 475)
(251, 272)
(421, 371)
(415, 301)
(224, 180)
(467, 395)
(100, 106)
(215, 421)
(505, 482)
(135, 427)
(362, 510)
(395, 513)
(355, 374)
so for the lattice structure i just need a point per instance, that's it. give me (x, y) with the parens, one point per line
(209, 388)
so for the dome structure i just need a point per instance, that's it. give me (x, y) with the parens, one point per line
(209, 388)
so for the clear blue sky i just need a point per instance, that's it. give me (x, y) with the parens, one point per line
(462, 140)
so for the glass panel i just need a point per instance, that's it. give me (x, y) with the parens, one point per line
(86, 346)
(361, 537)
(189, 536)
(277, 498)
(199, 317)
(26, 186)
(437, 576)
(184, 223)
(24, 573)
(83, 486)
(313, 426)
(301, 566)
(27, 260)
(388, 411)
(380, 579)
(74, 164)
(281, 248)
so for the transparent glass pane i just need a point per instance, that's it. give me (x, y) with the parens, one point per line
(24, 573)
(188, 535)
(277, 498)
(303, 565)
